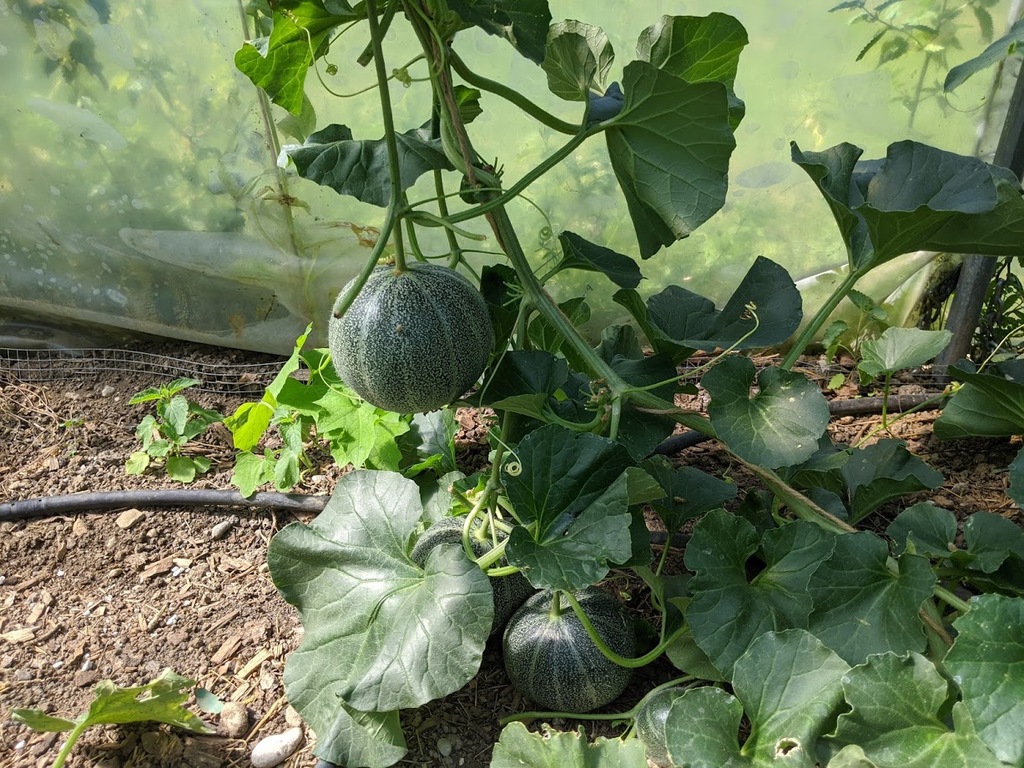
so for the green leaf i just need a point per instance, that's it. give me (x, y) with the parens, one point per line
(989, 404)
(429, 443)
(38, 720)
(701, 729)
(359, 433)
(899, 348)
(779, 426)
(698, 49)
(162, 393)
(1016, 472)
(987, 662)
(993, 541)
(378, 628)
(175, 415)
(181, 468)
(923, 529)
(788, 683)
(543, 335)
(583, 553)
(571, 496)
(689, 492)
(1005, 46)
(250, 421)
(727, 611)
(249, 472)
(524, 23)
(642, 432)
(881, 472)
(862, 607)
(670, 147)
(765, 309)
(331, 157)
(518, 747)
(162, 700)
(373, 739)
(137, 463)
(278, 64)
(894, 719)
(577, 55)
(581, 254)
(917, 198)
(299, 126)
(525, 381)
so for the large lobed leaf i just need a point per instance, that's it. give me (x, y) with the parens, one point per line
(570, 491)
(788, 683)
(278, 64)
(577, 59)
(381, 633)
(729, 610)
(331, 157)
(861, 606)
(519, 748)
(916, 198)
(670, 148)
(987, 662)
(894, 718)
(776, 427)
(523, 23)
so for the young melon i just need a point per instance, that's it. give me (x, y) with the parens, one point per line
(509, 591)
(411, 341)
(550, 658)
(650, 725)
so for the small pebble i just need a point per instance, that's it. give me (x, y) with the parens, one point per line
(221, 529)
(444, 746)
(130, 518)
(107, 391)
(234, 719)
(274, 750)
(292, 716)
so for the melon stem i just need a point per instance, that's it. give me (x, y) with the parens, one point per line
(555, 612)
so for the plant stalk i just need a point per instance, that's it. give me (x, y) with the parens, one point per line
(376, 40)
(812, 328)
(606, 650)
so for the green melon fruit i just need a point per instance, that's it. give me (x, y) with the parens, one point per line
(509, 591)
(650, 724)
(551, 659)
(411, 341)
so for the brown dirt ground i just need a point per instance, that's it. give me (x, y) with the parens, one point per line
(83, 598)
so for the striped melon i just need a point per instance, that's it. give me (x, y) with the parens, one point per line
(650, 724)
(551, 659)
(411, 341)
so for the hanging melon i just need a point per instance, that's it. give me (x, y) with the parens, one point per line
(412, 341)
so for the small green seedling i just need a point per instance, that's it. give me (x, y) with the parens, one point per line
(164, 435)
(160, 701)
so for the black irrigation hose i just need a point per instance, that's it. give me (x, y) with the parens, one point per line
(176, 497)
(291, 502)
(109, 501)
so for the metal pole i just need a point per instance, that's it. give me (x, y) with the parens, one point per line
(977, 271)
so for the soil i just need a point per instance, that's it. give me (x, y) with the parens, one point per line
(123, 594)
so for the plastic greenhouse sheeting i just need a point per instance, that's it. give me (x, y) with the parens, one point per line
(140, 188)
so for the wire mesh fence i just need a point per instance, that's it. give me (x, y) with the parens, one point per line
(49, 366)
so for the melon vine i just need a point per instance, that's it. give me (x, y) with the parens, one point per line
(781, 611)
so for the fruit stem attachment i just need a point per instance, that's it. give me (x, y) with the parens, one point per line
(390, 142)
(605, 649)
